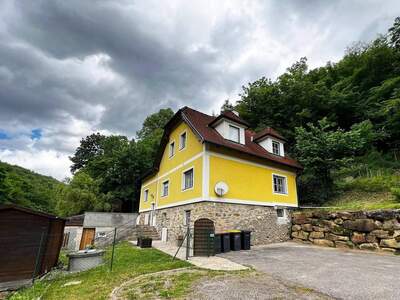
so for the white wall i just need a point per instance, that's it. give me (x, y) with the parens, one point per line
(267, 145)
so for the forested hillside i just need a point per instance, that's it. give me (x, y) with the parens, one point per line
(342, 120)
(23, 187)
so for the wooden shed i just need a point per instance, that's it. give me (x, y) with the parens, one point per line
(30, 244)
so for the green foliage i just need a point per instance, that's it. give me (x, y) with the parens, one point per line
(111, 167)
(396, 193)
(322, 149)
(357, 97)
(23, 187)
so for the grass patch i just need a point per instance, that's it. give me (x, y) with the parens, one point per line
(171, 286)
(362, 200)
(98, 283)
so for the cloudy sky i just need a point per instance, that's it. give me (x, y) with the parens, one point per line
(70, 68)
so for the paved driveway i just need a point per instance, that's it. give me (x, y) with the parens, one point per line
(343, 274)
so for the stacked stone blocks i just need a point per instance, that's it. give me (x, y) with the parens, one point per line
(375, 230)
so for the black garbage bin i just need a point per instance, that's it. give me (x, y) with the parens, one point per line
(225, 242)
(217, 243)
(245, 238)
(235, 240)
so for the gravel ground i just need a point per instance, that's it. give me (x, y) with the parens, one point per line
(259, 286)
(343, 274)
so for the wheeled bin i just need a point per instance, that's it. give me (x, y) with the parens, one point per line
(235, 240)
(245, 239)
(217, 243)
(225, 242)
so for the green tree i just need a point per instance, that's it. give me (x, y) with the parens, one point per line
(322, 149)
(79, 195)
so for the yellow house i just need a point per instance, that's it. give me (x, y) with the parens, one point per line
(215, 168)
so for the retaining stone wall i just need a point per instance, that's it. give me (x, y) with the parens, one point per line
(375, 230)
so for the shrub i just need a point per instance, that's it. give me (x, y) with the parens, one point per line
(396, 193)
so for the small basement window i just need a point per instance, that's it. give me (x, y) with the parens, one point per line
(280, 185)
(276, 149)
(280, 212)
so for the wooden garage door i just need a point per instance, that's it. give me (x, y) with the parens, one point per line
(203, 237)
(87, 238)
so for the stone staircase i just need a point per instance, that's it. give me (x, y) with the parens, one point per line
(144, 231)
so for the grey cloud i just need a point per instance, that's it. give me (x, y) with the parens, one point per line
(73, 67)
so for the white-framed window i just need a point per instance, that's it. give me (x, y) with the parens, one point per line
(172, 149)
(186, 218)
(165, 188)
(234, 133)
(276, 148)
(279, 184)
(182, 140)
(188, 179)
(146, 195)
(282, 215)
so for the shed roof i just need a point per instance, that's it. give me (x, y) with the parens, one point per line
(4, 207)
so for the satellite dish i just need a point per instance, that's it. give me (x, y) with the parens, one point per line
(221, 188)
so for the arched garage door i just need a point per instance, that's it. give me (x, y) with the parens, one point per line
(203, 237)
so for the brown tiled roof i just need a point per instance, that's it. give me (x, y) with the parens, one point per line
(201, 122)
(268, 131)
(229, 115)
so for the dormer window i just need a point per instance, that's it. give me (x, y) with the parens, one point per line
(276, 149)
(234, 133)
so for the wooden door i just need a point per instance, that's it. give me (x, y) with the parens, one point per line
(203, 237)
(87, 238)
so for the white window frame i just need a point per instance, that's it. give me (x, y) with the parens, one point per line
(162, 188)
(180, 140)
(145, 195)
(183, 179)
(171, 149)
(285, 193)
(238, 133)
(278, 144)
(285, 218)
(186, 217)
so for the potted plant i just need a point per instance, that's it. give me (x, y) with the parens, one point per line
(144, 242)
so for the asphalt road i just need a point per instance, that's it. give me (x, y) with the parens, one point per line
(343, 274)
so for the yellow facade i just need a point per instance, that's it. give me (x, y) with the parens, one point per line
(248, 181)
(172, 168)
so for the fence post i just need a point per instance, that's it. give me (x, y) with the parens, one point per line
(37, 261)
(112, 253)
(187, 242)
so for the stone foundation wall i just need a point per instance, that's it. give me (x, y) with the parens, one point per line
(376, 230)
(261, 220)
